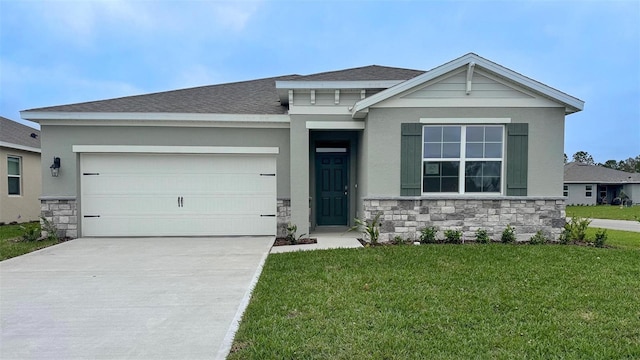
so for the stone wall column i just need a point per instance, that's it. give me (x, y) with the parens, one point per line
(61, 213)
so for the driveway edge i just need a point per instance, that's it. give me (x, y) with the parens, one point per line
(225, 348)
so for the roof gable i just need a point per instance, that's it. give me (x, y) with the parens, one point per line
(474, 64)
(18, 136)
(575, 172)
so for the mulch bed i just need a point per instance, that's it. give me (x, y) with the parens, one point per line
(284, 242)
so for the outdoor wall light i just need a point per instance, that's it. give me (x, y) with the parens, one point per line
(55, 167)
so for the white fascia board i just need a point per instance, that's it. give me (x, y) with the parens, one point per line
(574, 103)
(38, 116)
(19, 147)
(335, 125)
(465, 120)
(174, 149)
(363, 84)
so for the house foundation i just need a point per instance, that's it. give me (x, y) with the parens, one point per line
(406, 216)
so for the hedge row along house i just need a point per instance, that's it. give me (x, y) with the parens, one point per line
(469, 144)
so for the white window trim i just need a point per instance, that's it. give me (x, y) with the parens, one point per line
(462, 160)
(465, 121)
(587, 190)
(19, 176)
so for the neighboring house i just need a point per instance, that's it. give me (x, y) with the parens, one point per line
(592, 184)
(469, 144)
(20, 172)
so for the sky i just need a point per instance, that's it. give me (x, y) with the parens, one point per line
(61, 52)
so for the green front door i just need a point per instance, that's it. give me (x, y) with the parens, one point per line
(332, 188)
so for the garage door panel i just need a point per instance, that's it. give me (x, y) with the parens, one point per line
(172, 226)
(138, 195)
(167, 164)
(106, 184)
(205, 205)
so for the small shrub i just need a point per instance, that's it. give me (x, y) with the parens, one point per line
(31, 233)
(482, 237)
(601, 238)
(576, 229)
(398, 240)
(49, 228)
(428, 235)
(508, 235)
(291, 234)
(368, 229)
(538, 239)
(453, 236)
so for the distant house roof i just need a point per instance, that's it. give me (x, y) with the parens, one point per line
(17, 136)
(245, 97)
(575, 172)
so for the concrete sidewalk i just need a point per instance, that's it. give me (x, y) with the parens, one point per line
(128, 298)
(624, 225)
(328, 238)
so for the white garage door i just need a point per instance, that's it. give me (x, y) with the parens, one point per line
(177, 194)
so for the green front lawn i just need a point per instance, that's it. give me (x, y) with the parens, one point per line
(11, 244)
(445, 302)
(604, 212)
(617, 238)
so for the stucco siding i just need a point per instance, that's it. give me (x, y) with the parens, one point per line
(382, 144)
(633, 192)
(58, 141)
(577, 194)
(26, 206)
(455, 86)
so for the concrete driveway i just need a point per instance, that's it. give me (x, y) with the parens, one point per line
(624, 225)
(136, 298)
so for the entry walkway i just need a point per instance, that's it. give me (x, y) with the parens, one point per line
(328, 238)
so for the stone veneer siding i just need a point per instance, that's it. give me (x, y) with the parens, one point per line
(406, 216)
(284, 216)
(63, 213)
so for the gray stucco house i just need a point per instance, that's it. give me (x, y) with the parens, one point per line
(465, 145)
(592, 184)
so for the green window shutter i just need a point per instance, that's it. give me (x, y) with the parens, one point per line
(517, 159)
(410, 159)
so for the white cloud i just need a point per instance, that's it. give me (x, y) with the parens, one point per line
(234, 15)
(81, 22)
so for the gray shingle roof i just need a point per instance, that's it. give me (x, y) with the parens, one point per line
(372, 72)
(15, 133)
(245, 97)
(582, 173)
